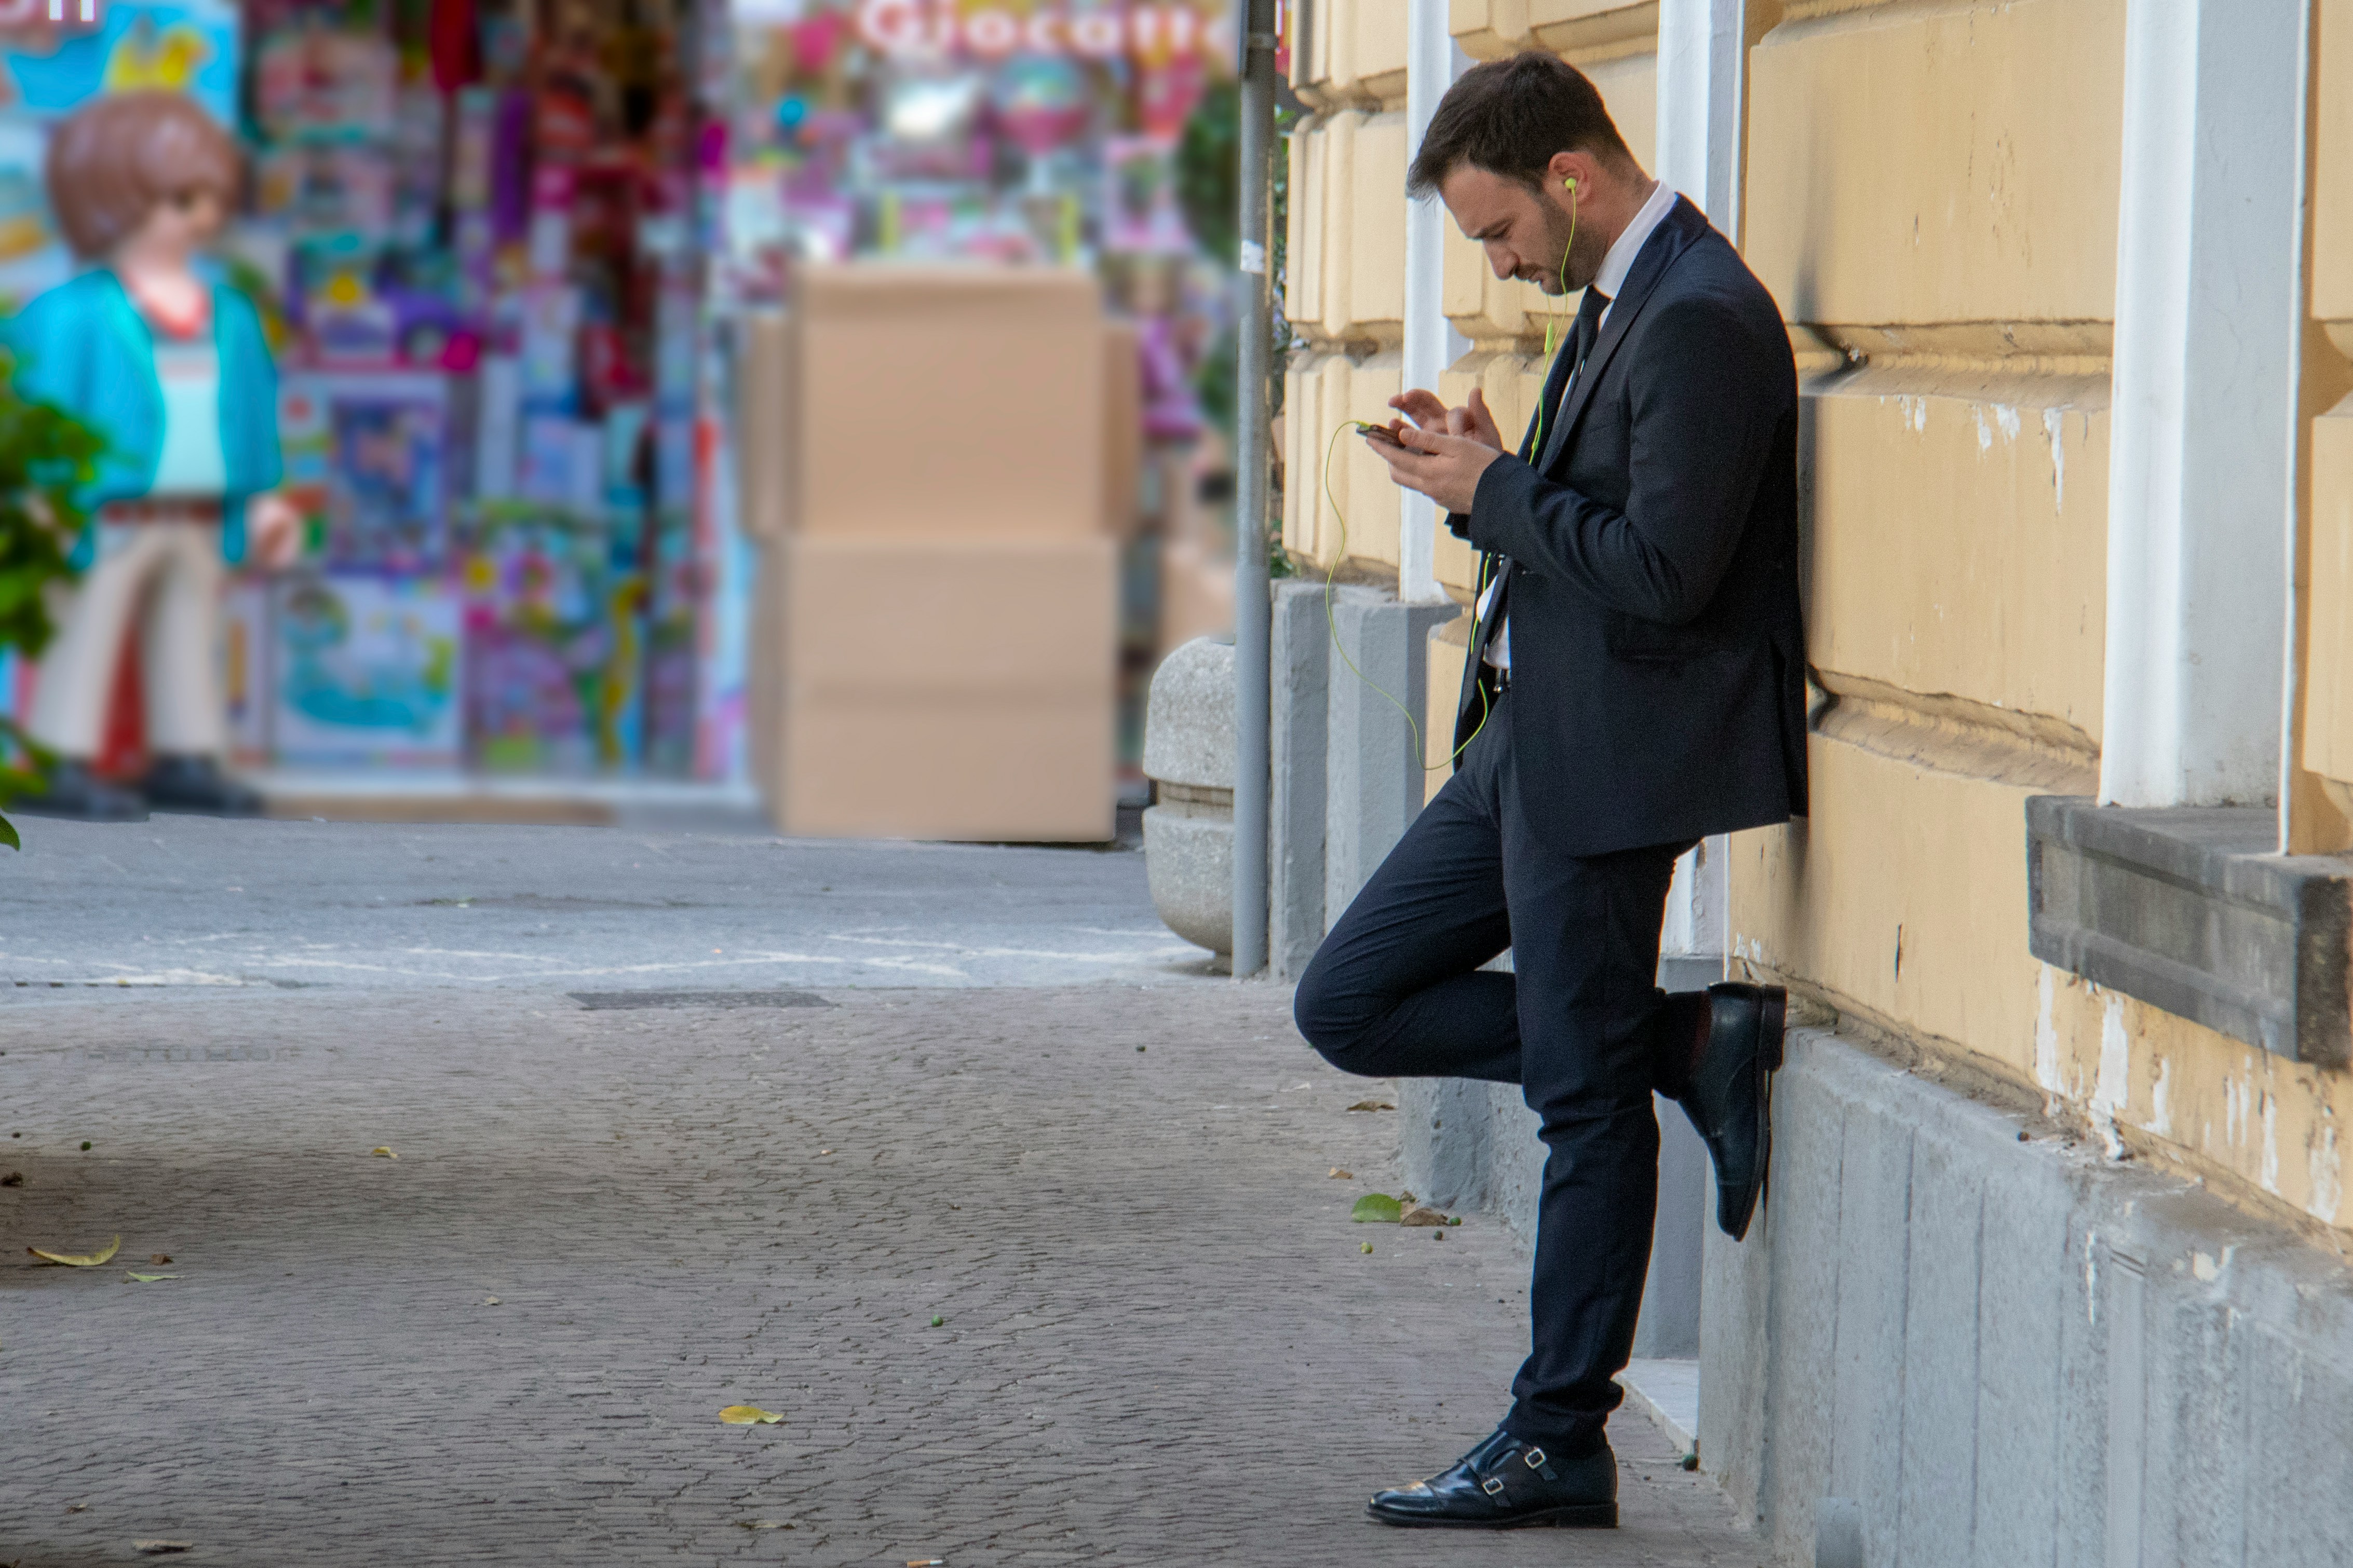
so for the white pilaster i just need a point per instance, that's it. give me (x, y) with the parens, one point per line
(1703, 74)
(1432, 344)
(2203, 403)
(1702, 61)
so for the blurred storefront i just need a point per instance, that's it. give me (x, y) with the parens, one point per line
(509, 248)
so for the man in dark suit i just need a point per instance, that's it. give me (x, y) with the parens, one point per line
(1635, 681)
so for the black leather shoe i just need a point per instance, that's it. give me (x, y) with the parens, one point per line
(197, 784)
(1729, 1094)
(1506, 1484)
(73, 790)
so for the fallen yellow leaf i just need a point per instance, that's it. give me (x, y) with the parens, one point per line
(384, 1150)
(138, 1278)
(749, 1416)
(79, 1260)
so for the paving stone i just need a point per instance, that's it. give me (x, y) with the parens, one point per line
(1161, 1341)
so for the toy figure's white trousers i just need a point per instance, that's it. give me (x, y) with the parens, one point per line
(170, 574)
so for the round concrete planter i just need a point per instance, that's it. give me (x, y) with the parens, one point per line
(1188, 753)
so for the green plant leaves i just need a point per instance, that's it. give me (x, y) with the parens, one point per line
(1376, 1208)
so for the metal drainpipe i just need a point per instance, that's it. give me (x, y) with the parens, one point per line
(1251, 472)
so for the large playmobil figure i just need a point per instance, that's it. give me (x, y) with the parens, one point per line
(167, 362)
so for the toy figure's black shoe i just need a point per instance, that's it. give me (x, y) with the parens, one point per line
(196, 785)
(1506, 1484)
(1728, 1095)
(73, 790)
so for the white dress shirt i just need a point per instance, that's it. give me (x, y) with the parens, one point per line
(1610, 280)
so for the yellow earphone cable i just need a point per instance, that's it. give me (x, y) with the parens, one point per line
(1331, 574)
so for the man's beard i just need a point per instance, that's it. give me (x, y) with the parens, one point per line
(1568, 259)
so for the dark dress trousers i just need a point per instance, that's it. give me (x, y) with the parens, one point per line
(1647, 558)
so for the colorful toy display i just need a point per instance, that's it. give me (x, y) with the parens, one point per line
(365, 668)
(153, 351)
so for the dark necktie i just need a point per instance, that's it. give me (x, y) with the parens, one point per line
(1588, 326)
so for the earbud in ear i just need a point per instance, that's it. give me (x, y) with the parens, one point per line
(1570, 184)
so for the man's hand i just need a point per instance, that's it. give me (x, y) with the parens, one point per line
(1444, 450)
(275, 529)
(1473, 421)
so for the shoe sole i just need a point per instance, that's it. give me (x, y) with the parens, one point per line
(1577, 1516)
(1771, 1026)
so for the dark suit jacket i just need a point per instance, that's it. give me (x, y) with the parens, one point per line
(1650, 566)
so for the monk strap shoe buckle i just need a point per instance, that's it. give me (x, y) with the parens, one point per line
(1492, 1485)
(1534, 1458)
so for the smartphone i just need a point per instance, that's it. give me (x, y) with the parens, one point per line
(1378, 433)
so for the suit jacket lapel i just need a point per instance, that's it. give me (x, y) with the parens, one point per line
(1555, 379)
(1683, 224)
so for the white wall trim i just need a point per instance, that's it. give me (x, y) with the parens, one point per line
(1433, 61)
(2203, 411)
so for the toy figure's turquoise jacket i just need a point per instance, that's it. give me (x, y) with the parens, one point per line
(86, 348)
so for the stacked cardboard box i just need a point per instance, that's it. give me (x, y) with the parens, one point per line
(926, 460)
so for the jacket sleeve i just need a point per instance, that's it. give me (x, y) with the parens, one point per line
(1701, 429)
(256, 465)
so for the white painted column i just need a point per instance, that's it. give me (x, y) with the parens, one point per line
(1703, 49)
(1703, 76)
(1432, 344)
(2203, 404)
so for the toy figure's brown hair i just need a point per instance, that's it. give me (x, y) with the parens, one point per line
(110, 163)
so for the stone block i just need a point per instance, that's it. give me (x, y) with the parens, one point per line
(1961, 538)
(2332, 165)
(1373, 779)
(1299, 655)
(1870, 147)
(2189, 910)
(2328, 660)
(1188, 753)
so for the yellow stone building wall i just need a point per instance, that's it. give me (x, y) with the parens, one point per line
(1931, 194)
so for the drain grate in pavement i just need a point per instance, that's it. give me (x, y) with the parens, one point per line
(609, 1001)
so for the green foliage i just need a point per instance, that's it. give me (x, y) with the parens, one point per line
(1376, 1208)
(46, 455)
(1208, 171)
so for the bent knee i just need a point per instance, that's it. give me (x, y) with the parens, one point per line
(1333, 1022)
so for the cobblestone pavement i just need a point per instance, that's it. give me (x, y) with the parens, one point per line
(1160, 1340)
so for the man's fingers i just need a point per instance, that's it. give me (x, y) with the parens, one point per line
(1420, 405)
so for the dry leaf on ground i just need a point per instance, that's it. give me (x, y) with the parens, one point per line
(749, 1416)
(160, 1548)
(1372, 1105)
(1422, 1214)
(384, 1151)
(13, 1179)
(159, 1259)
(138, 1278)
(762, 1524)
(81, 1259)
(1340, 1175)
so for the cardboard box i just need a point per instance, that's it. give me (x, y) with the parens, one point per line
(944, 402)
(938, 689)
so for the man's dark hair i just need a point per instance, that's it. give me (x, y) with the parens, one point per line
(1509, 117)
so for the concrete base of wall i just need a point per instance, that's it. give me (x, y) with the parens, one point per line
(1943, 1344)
